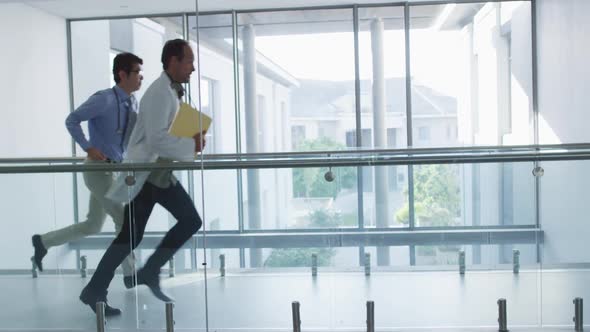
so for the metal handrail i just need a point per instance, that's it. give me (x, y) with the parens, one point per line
(319, 239)
(349, 151)
(346, 158)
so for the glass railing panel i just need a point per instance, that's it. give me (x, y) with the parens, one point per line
(300, 198)
(413, 255)
(385, 196)
(37, 204)
(286, 276)
(168, 263)
(49, 299)
(109, 256)
(563, 212)
(490, 194)
(216, 196)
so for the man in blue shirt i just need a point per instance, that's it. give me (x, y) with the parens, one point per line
(111, 115)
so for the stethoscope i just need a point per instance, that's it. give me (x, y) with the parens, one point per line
(119, 129)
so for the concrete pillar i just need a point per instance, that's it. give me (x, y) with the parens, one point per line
(383, 213)
(252, 144)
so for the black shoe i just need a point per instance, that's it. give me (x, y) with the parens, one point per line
(153, 282)
(40, 251)
(89, 298)
(130, 281)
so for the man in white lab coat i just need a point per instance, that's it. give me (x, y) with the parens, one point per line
(151, 142)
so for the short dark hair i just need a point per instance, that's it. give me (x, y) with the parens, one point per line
(174, 47)
(124, 62)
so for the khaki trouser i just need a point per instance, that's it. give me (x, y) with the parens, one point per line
(98, 183)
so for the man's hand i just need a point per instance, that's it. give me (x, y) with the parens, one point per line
(199, 142)
(95, 154)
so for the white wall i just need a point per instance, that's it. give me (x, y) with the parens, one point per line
(521, 80)
(90, 63)
(492, 111)
(275, 184)
(34, 88)
(220, 70)
(148, 40)
(563, 55)
(35, 102)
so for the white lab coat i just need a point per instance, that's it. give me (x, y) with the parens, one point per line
(150, 138)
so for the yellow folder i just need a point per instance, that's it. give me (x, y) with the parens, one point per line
(188, 122)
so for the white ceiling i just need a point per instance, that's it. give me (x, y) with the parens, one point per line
(103, 8)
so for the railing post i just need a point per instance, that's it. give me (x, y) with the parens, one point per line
(370, 316)
(222, 265)
(462, 261)
(169, 317)
(34, 268)
(502, 318)
(515, 261)
(83, 266)
(296, 316)
(100, 317)
(579, 314)
(368, 264)
(314, 265)
(171, 268)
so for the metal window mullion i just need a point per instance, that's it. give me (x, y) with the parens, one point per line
(410, 141)
(189, 173)
(534, 72)
(535, 103)
(357, 108)
(204, 216)
(239, 177)
(357, 95)
(409, 113)
(73, 143)
(357, 83)
(186, 36)
(535, 113)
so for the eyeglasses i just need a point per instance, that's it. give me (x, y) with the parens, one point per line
(136, 71)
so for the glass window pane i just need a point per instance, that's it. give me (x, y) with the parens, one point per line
(296, 80)
(474, 195)
(216, 66)
(300, 198)
(382, 65)
(471, 70)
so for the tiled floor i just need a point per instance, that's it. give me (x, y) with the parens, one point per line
(416, 301)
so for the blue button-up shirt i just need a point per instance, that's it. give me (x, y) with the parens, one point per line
(107, 133)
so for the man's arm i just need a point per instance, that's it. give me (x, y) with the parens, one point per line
(156, 110)
(91, 108)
